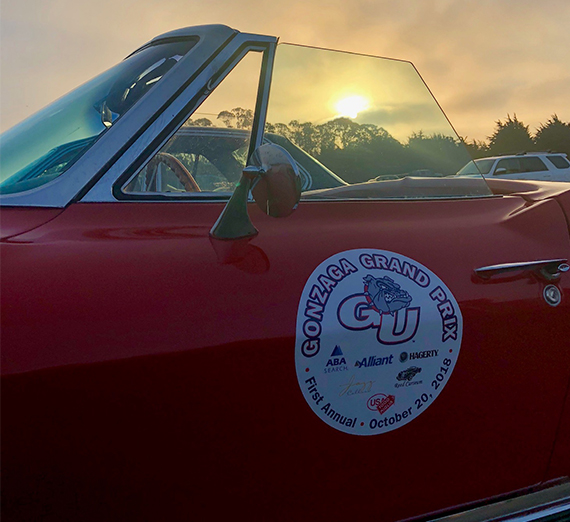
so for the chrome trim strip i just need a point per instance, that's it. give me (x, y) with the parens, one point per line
(526, 508)
(562, 509)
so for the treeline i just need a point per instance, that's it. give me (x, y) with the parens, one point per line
(512, 136)
(360, 152)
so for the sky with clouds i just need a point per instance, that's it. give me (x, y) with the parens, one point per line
(483, 59)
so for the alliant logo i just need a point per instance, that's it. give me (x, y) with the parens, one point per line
(381, 402)
(409, 374)
(367, 362)
(336, 362)
(383, 305)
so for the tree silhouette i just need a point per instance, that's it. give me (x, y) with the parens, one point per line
(476, 149)
(439, 153)
(244, 118)
(555, 135)
(237, 117)
(200, 122)
(363, 152)
(227, 118)
(512, 136)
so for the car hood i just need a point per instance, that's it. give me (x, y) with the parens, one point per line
(535, 191)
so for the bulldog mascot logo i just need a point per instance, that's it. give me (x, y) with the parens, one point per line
(384, 295)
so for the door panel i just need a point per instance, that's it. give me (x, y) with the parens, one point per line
(150, 370)
(17, 220)
(560, 460)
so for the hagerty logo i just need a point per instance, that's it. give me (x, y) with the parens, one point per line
(426, 354)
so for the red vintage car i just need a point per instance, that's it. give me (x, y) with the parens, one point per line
(178, 344)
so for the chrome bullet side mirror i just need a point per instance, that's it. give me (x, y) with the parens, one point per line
(275, 183)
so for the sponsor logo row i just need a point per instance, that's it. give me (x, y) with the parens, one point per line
(337, 360)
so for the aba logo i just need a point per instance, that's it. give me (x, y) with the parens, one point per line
(409, 374)
(383, 305)
(336, 362)
(384, 295)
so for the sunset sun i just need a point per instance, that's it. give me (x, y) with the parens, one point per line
(351, 106)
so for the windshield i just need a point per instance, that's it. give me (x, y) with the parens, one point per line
(371, 121)
(476, 168)
(48, 143)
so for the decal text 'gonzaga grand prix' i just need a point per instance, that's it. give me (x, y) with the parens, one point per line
(378, 336)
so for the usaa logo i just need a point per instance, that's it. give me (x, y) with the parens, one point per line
(336, 362)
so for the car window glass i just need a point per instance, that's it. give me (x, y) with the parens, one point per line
(532, 164)
(48, 143)
(511, 165)
(480, 166)
(484, 165)
(208, 153)
(371, 122)
(559, 162)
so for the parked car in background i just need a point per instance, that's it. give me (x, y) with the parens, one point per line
(395, 348)
(539, 166)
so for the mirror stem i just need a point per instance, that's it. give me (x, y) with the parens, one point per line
(234, 222)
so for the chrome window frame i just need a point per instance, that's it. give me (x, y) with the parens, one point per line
(132, 133)
(109, 187)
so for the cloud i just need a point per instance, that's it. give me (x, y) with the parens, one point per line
(481, 58)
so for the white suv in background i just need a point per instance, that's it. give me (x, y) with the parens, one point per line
(543, 166)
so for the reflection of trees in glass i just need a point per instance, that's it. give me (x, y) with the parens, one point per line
(357, 152)
(360, 152)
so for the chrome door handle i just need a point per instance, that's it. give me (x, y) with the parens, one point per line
(549, 269)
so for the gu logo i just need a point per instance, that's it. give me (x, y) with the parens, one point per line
(383, 305)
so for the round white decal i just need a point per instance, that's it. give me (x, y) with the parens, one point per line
(378, 335)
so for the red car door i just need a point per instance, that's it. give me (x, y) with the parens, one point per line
(170, 376)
